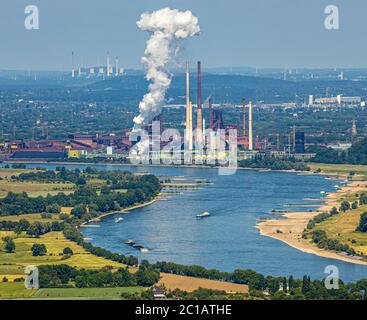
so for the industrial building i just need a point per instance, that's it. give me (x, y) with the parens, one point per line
(109, 70)
(339, 100)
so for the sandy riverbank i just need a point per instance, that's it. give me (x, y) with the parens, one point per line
(290, 227)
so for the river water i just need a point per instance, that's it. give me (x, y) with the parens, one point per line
(228, 239)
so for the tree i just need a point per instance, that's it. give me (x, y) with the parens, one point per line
(146, 278)
(362, 227)
(68, 251)
(334, 211)
(133, 261)
(56, 226)
(38, 250)
(345, 206)
(53, 208)
(81, 181)
(79, 210)
(9, 244)
(291, 282)
(362, 198)
(306, 284)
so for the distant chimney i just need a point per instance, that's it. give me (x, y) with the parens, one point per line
(72, 65)
(117, 66)
(108, 64)
(250, 139)
(210, 113)
(244, 120)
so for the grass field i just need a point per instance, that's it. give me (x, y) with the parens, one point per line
(343, 226)
(33, 217)
(90, 293)
(339, 168)
(10, 290)
(34, 189)
(6, 173)
(12, 264)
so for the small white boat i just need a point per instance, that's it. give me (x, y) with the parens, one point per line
(118, 220)
(203, 215)
(144, 250)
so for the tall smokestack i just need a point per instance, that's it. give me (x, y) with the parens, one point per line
(117, 66)
(210, 114)
(250, 143)
(204, 128)
(188, 110)
(199, 107)
(108, 64)
(72, 65)
(244, 120)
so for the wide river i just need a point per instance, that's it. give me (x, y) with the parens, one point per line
(228, 239)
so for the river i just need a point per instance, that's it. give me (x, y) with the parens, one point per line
(228, 239)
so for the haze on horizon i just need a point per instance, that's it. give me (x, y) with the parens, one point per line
(235, 33)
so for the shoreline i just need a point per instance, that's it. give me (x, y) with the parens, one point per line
(187, 166)
(289, 227)
(123, 211)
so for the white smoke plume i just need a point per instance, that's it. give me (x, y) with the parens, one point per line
(166, 27)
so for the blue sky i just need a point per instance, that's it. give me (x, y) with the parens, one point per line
(262, 33)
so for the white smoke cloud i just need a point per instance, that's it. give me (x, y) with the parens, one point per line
(166, 27)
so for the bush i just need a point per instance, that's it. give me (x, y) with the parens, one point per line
(362, 227)
(363, 198)
(45, 215)
(345, 206)
(38, 250)
(68, 251)
(79, 210)
(53, 208)
(9, 244)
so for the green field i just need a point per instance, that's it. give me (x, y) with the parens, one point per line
(11, 290)
(343, 226)
(34, 189)
(13, 264)
(96, 293)
(339, 168)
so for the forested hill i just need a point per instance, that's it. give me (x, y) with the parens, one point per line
(357, 154)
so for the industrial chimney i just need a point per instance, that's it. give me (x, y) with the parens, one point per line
(250, 142)
(108, 64)
(117, 66)
(188, 110)
(244, 120)
(210, 113)
(72, 64)
(199, 107)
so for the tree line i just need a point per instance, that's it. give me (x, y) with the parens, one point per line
(273, 163)
(58, 276)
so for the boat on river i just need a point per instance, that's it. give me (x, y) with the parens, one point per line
(203, 215)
